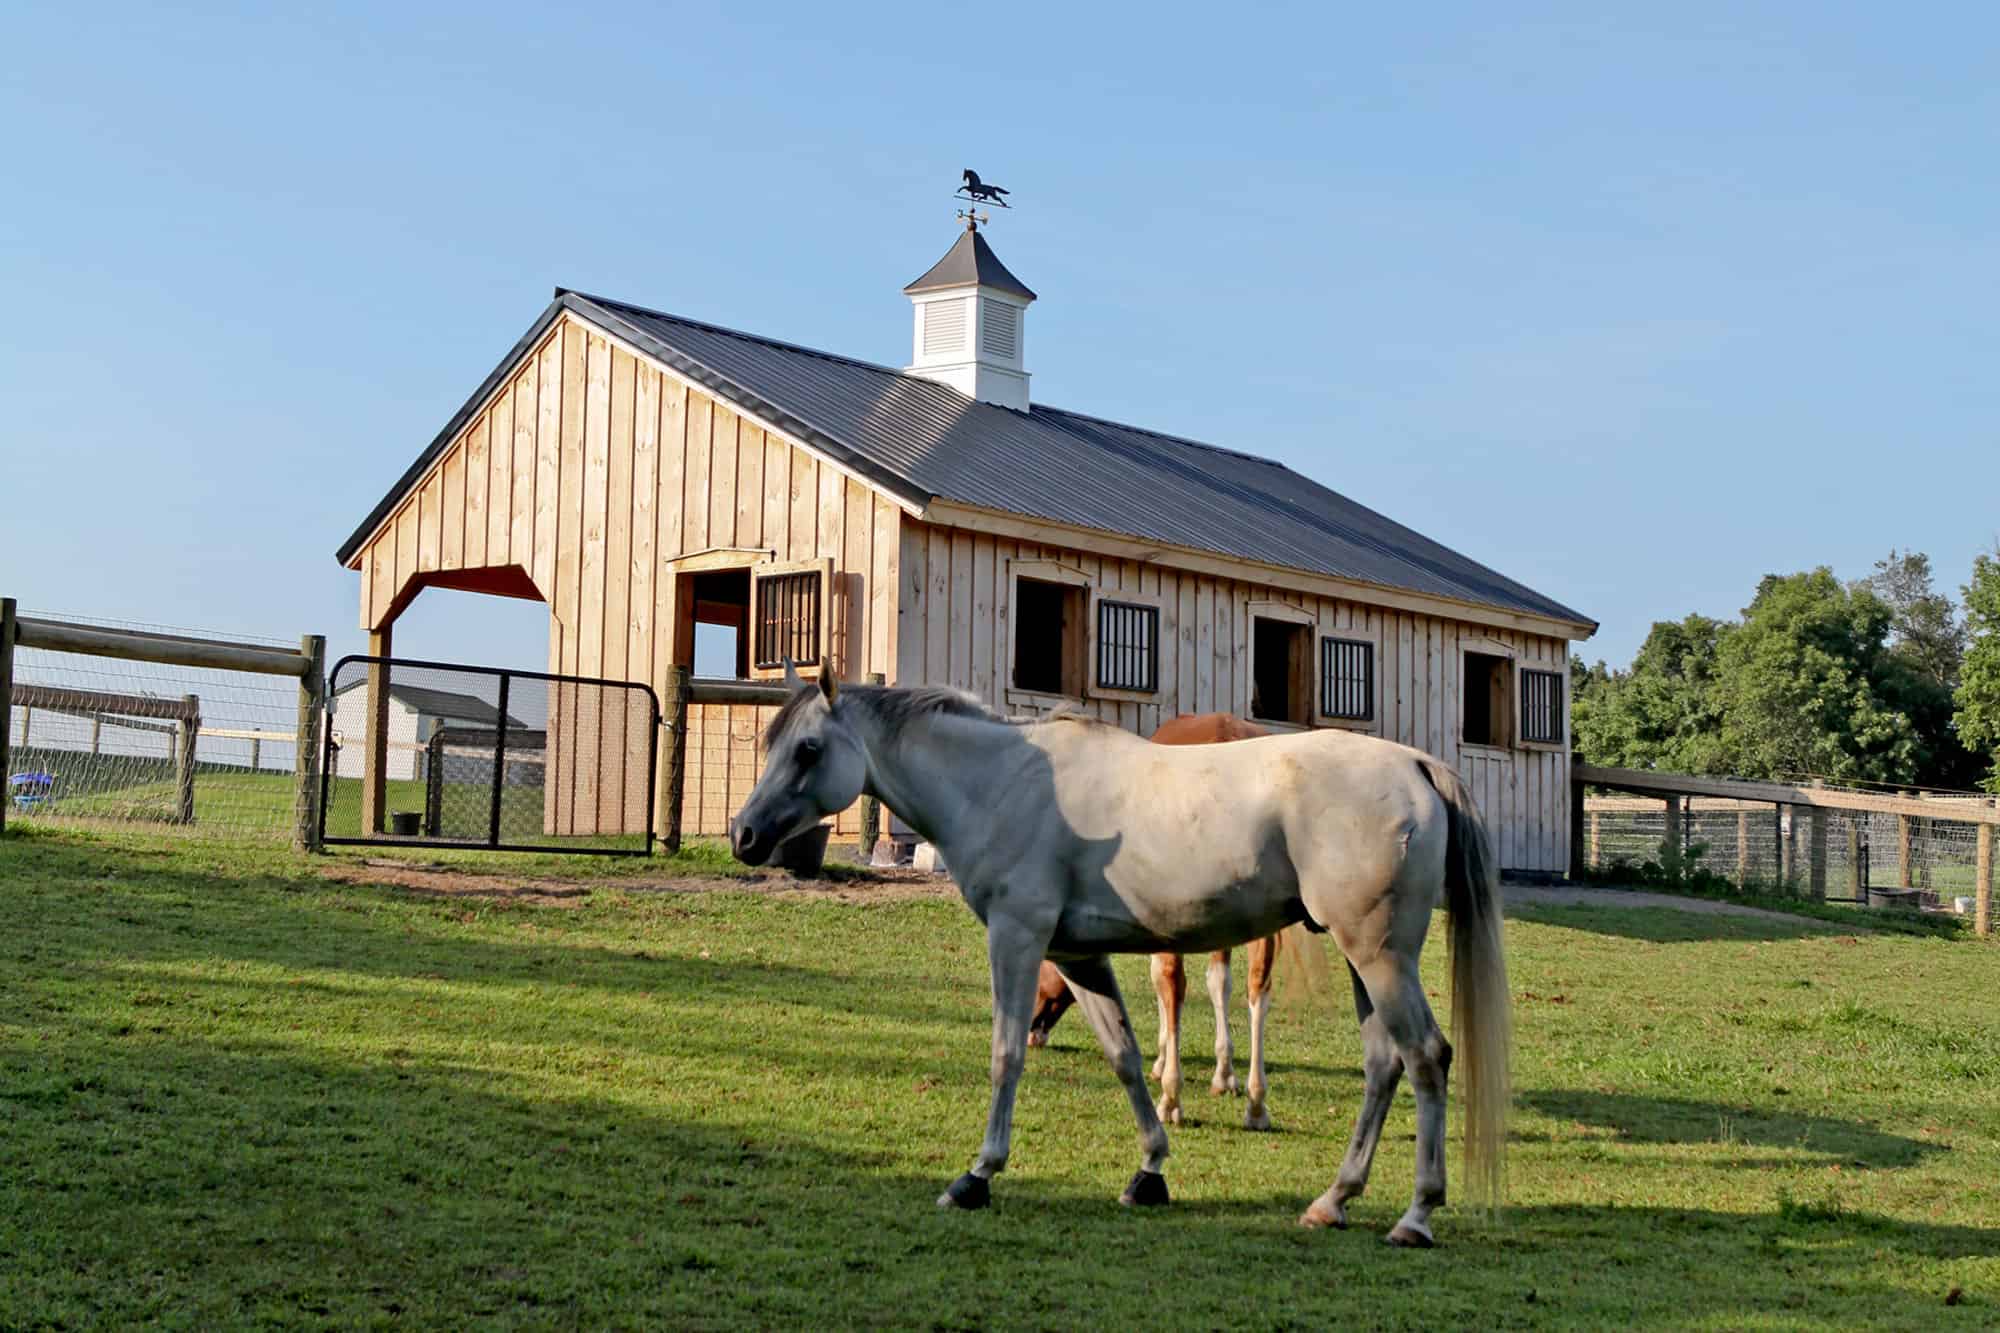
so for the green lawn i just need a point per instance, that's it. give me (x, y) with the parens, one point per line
(234, 1093)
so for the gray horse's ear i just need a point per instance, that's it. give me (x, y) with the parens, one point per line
(792, 681)
(828, 685)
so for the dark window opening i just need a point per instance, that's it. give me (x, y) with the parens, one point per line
(1347, 679)
(1048, 637)
(721, 601)
(1128, 646)
(1486, 698)
(788, 620)
(1280, 688)
(1541, 707)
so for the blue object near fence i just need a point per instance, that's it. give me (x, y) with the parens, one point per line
(31, 789)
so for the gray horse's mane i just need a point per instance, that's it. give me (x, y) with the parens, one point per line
(895, 707)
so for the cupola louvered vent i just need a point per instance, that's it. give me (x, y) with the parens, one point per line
(944, 327)
(1000, 329)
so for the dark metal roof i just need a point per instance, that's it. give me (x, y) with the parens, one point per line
(969, 261)
(441, 703)
(923, 441)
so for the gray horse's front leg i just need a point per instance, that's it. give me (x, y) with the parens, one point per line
(1014, 952)
(1097, 995)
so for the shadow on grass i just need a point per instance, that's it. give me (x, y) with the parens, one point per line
(1671, 925)
(1638, 1119)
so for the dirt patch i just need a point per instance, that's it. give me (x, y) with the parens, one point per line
(547, 891)
(1532, 895)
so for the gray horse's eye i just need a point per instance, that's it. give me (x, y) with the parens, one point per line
(808, 753)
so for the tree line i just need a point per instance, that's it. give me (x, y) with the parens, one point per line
(1879, 680)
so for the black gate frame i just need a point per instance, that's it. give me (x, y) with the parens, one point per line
(507, 675)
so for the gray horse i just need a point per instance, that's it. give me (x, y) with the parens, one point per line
(1074, 839)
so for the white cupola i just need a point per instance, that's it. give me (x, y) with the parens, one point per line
(969, 312)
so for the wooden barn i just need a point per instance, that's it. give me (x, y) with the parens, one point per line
(640, 473)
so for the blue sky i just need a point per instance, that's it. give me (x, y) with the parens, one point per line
(1634, 308)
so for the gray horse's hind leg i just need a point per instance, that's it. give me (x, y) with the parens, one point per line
(1382, 1068)
(1015, 954)
(1097, 995)
(1397, 993)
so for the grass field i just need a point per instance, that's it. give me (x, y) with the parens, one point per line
(234, 1092)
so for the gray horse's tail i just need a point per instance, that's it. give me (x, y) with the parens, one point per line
(1480, 1021)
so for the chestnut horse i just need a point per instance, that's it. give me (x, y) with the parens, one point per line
(1053, 998)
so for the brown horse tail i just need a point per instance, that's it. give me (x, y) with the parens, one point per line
(1480, 1022)
(1301, 960)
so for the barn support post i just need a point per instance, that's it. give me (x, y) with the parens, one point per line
(871, 808)
(1982, 888)
(375, 757)
(6, 702)
(674, 716)
(305, 765)
(1781, 848)
(190, 730)
(1671, 851)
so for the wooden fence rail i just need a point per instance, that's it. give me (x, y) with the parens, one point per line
(307, 665)
(1726, 794)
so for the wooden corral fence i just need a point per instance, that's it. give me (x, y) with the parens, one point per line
(181, 717)
(1774, 802)
(685, 689)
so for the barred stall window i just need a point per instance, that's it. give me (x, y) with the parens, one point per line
(1541, 706)
(1347, 679)
(1128, 646)
(788, 619)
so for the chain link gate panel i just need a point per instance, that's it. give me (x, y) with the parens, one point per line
(480, 758)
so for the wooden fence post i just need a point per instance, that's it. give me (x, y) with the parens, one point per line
(6, 703)
(1857, 873)
(1742, 849)
(1905, 828)
(1982, 889)
(190, 731)
(871, 808)
(375, 754)
(1672, 850)
(674, 716)
(305, 766)
(1816, 853)
(1781, 849)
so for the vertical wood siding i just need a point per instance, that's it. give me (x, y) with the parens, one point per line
(952, 628)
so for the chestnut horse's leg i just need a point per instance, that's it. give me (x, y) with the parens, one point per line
(1052, 1001)
(1218, 996)
(1097, 996)
(1170, 983)
(1263, 954)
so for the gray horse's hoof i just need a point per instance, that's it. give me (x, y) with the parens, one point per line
(967, 1192)
(1410, 1237)
(1148, 1189)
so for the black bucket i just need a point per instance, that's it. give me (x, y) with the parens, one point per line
(406, 823)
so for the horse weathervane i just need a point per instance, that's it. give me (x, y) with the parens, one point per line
(978, 191)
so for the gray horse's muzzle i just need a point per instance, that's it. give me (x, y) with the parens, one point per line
(752, 846)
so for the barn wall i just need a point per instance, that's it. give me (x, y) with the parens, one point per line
(590, 470)
(952, 617)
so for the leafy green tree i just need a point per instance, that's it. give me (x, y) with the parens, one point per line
(1978, 695)
(1664, 712)
(1808, 687)
(1922, 620)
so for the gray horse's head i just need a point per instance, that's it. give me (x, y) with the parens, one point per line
(813, 767)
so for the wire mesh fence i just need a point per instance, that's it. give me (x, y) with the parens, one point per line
(1835, 855)
(106, 740)
(476, 757)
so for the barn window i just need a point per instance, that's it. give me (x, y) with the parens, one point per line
(721, 601)
(789, 618)
(1048, 628)
(1281, 674)
(1128, 646)
(1488, 699)
(1541, 707)
(1347, 679)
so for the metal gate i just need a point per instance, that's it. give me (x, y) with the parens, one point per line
(479, 758)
